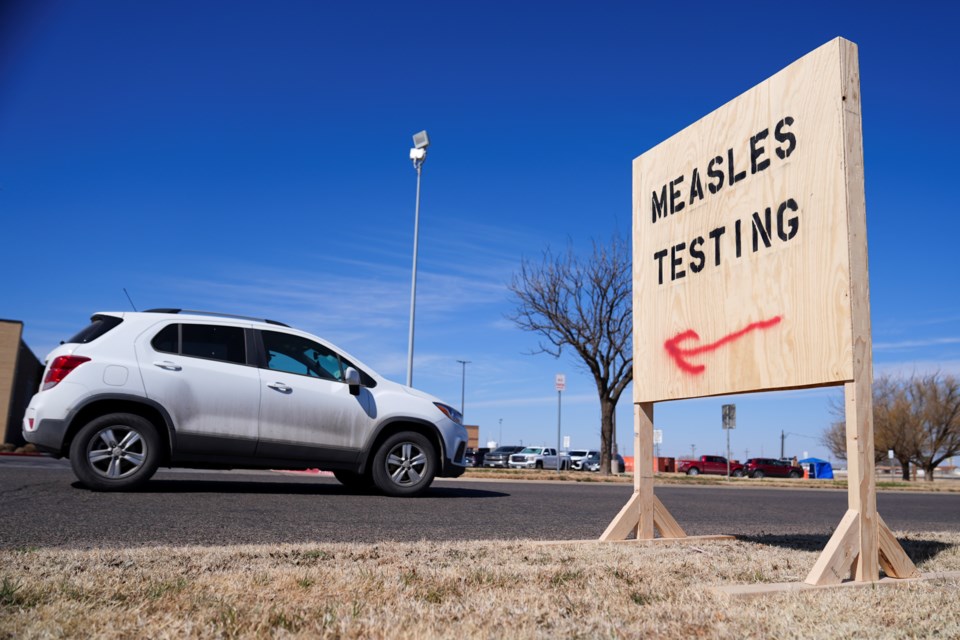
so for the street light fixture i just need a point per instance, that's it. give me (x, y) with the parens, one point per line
(463, 385)
(418, 155)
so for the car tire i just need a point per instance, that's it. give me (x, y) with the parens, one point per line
(758, 474)
(115, 452)
(354, 480)
(738, 473)
(404, 465)
(693, 471)
(794, 475)
(538, 464)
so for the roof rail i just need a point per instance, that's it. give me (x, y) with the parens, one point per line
(217, 314)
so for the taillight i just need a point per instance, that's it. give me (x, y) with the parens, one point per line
(59, 368)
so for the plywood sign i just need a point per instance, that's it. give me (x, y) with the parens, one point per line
(742, 239)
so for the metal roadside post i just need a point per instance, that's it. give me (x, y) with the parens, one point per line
(729, 416)
(561, 384)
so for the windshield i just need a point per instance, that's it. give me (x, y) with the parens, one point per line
(532, 450)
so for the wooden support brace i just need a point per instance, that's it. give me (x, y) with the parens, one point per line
(663, 521)
(625, 521)
(628, 521)
(838, 556)
(643, 513)
(893, 560)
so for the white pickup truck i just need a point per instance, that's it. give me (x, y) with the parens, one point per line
(539, 458)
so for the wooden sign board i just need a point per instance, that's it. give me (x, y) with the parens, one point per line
(742, 241)
(750, 274)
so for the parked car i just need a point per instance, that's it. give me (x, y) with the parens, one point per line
(716, 465)
(475, 456)
(133, 391)
(593, 462)
(760, 467)
(500, 457)
(577, 456)
(539, 458)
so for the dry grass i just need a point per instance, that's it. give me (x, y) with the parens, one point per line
(461, 590)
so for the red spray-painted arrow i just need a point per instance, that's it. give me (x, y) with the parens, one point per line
(680, 354)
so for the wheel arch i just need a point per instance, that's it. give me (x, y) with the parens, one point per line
(102, 405)
(388, 429)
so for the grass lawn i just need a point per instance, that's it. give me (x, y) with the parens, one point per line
(483, 589)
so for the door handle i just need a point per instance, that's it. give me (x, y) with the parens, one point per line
(169, 366)
(279, 386)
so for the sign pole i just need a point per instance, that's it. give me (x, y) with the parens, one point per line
(561, 384)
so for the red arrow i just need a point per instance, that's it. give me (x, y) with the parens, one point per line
(679, 354)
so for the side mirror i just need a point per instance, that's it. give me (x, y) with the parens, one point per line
(352, 377)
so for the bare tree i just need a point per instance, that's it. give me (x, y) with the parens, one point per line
(586, 306)
(918, 418)
(935, 419)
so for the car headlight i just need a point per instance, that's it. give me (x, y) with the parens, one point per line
(450, 412)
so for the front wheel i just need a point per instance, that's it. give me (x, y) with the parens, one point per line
(405, 464)
(758, 474)
(115, 452)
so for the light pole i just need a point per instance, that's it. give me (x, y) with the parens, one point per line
(463, 385)
(500, 441)
(418, 154)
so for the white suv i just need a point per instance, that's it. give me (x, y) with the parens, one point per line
(132, 391)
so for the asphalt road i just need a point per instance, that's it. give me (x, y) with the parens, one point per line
(42, 505)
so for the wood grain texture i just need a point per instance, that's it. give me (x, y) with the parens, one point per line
(805, 280)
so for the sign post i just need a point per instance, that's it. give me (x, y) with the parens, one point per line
(750, 263)
(560, 383)
(728, 413)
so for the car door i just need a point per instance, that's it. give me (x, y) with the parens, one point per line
(306, 410)
(199, 374)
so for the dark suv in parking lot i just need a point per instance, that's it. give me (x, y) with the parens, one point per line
(760, 467)
(500, 457)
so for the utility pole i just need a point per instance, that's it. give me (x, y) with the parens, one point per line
(693, 451)
(783, 439)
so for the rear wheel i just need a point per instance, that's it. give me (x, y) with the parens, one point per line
(738, 473)
(115, 452)
(794, 475)
(405, 464)
(693, 471)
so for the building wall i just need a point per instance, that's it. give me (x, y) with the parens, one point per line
(473, 435)
(20, 373)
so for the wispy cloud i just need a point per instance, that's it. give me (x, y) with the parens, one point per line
(914, 344)
(917, 367)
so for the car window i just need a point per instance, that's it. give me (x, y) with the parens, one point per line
(168, 340)
(98, 326)
(295, 354)
(213, 342)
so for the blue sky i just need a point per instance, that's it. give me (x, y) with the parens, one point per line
(253, 158)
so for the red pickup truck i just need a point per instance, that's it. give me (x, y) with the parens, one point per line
(710, 464)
